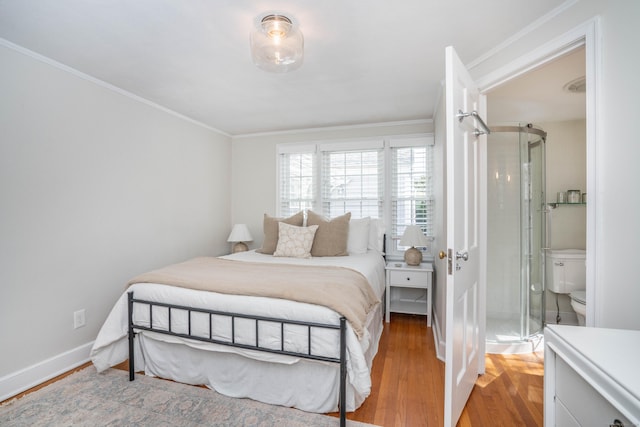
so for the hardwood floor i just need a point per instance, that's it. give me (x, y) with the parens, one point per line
(408, 384)
(46, 383)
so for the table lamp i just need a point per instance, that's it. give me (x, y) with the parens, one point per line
(413, 237)
(240, 234)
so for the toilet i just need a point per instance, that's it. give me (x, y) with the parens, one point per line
(566, 274)
(579, 305)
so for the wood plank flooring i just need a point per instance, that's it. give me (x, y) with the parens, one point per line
(408, 384)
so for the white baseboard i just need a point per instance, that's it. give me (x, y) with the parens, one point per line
(31, 376)
(438, 339)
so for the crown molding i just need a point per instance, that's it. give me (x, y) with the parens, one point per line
(103, 84)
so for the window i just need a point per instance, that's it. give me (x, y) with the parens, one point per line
(297, 180)
(412, 190)
(385, 178)
(352, 180)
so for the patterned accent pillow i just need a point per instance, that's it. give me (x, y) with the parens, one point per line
(270, 227)
(295, 241)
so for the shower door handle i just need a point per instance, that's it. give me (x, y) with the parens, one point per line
(462, 255)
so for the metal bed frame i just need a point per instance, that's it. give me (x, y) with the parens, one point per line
(232, 343)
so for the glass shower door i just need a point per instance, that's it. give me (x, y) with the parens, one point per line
(515, 238)
(532, 151)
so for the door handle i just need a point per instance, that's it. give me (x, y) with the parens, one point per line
(463, 255)
(442, 255)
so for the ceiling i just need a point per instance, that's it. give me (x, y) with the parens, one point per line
(539, 96)
(365, 62)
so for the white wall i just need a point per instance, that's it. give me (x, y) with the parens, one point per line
(617, 151)
(95, 187)
(254, 166)
(566, 150)
(566, 169)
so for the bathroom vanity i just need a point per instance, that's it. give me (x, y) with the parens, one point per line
(591, 376)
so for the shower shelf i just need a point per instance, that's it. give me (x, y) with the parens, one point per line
(555, 205)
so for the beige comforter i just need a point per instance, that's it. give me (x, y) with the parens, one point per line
(344, 290)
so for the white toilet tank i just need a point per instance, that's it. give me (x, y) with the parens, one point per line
(566, 270)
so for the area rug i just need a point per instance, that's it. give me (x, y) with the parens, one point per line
(86, 398)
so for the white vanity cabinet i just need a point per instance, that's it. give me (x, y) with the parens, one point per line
(591, 377)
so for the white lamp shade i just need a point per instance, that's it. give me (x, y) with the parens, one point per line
(240, 233)
(413, 237)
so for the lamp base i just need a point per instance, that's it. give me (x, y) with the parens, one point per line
(240, 247)
(412, 256)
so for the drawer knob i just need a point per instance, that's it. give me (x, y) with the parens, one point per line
(408, 278)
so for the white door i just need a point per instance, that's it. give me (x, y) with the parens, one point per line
(464, 335)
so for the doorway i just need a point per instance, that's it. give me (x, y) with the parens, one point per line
(552, 95)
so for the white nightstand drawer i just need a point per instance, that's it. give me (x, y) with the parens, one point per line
(408, 279)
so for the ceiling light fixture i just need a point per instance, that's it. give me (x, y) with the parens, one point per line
(277, 44)
(578, 85)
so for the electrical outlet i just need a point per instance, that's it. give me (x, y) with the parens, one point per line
(78, 319)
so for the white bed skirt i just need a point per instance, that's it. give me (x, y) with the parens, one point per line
(310, 385)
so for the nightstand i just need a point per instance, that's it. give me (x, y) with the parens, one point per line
(409, 289)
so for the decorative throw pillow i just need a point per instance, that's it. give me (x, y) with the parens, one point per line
(332, 235)
(270, 228)
(358, 236)
(295, 241)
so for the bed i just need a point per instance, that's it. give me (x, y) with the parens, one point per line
(277, 372)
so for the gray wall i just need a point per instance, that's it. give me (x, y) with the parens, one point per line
(95, 187)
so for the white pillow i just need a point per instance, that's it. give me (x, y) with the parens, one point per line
(376, 235)
(295, 241)
(358, 241)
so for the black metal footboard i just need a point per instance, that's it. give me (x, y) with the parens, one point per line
(233, 316)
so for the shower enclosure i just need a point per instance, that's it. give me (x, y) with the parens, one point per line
(516, 238)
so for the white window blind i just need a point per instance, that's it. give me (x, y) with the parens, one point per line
(389, 179)
(353, 181)
(412, 188)
(297, 181)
